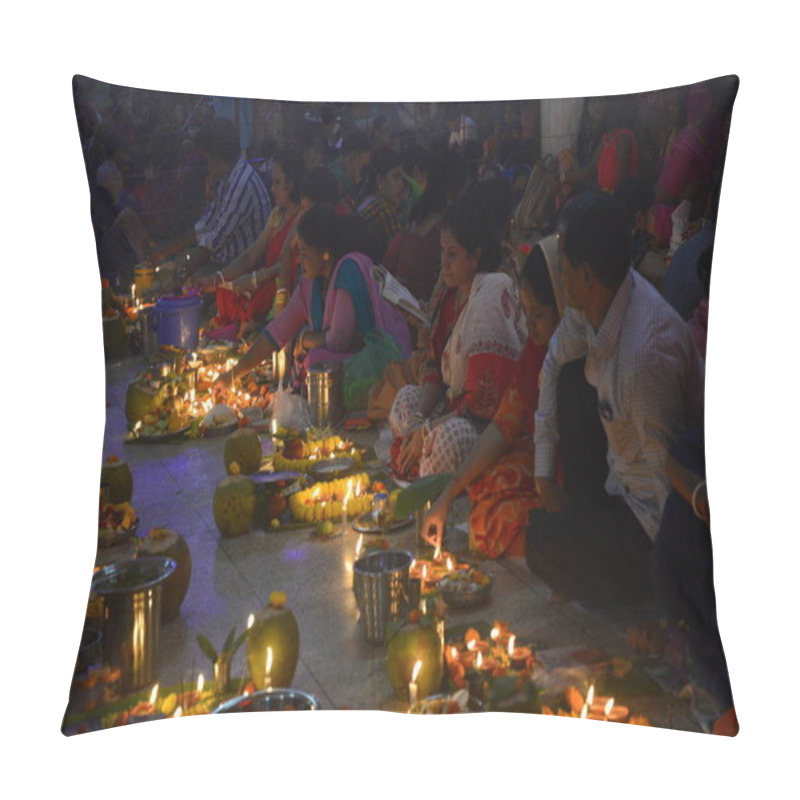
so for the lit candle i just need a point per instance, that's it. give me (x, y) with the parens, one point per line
(437, 553)
(178, 712)
(412, 687)
(511, 642)
(267, 676)
(133, 291)
(449, 564)
(201, 682)
(250, 620)
(590, 695)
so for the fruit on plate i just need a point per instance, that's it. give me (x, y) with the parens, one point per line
(117, 517)
(117, 475)
(234, 505)
(244, 447)
(325, 528)
(323, 501)
(142, 399)
(169, 544)
(219, 416)
(301, 456)
(415, 641)
(276, 627)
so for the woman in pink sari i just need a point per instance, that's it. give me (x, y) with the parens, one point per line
(337, 302)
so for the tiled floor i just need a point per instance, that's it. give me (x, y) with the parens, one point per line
(174, 486)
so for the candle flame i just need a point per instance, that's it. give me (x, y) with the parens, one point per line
(585, 711)
(269, 660)
(315, 493)
(274, 427)
(424, 572)
(495, 634)
(178, 712)
(609, 706)
(250, 620)
(413, 564)
(201, 682)
(415, 673)
(479, 660)
(437, 553)
(471, 644)
(137, 426)
(454, 653)
(590, 695)
(449, 564)
(512, 640)
(154, 695)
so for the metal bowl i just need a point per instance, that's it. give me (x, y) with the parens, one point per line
(270, 700)
(465, 599)
(331, 468)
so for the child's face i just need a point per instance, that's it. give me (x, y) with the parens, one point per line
(542, 320)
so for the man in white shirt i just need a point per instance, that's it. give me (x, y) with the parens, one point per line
(642, 361)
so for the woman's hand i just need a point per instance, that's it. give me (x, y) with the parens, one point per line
(553, 496)
(300, 349)
(206, 285)
(243, 283)
(223, 382)
(435, 520)
(411, 450)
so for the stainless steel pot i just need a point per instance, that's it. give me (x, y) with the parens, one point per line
(324, 388)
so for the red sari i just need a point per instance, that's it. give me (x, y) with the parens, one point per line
(502, 498)
(235, 307)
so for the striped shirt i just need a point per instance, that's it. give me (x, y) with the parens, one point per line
(236, 215)
(649, 380)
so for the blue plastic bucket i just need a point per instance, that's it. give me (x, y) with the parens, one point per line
(178, 321)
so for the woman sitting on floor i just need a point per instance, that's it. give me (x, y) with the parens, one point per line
(338, 299)
(387, 187)
(245, 288)
(476, 339)
(498, 473)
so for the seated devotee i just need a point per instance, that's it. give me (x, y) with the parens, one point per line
(641, 360)
(237, 213)
(382, 207)
(498, 473)
(689, 167)
(350, 171)
(338, 301)
(477, 336)
(683, 579)
(413, 254)
(648, 252)
(245, 288)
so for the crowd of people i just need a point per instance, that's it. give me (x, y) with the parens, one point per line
(560, 380)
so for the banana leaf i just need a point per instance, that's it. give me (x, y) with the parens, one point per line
(420, 492)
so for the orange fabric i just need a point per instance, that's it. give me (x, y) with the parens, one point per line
(607, 163)
(502, 499)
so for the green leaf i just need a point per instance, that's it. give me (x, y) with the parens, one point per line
(207, 647)
(420, 492)
(238, 643)
(229, 641)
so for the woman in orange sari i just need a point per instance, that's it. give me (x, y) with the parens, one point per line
(246, 287)
(498, 473)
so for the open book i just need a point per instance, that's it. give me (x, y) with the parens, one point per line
(398, 295)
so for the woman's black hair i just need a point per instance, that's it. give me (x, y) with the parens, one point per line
(473, 223)
(536, 277)
(320, 187)
(437, 190)
(291, 162)
(325, 230)
(381, 163)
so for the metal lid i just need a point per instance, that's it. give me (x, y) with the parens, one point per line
(132, 575)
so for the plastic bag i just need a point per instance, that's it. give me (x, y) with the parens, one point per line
(363, 369)
(290, 410)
